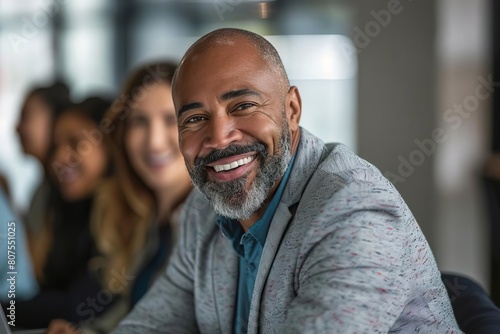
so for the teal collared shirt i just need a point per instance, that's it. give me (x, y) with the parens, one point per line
(249, 248)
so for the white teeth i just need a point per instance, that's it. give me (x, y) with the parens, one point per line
(233, 165)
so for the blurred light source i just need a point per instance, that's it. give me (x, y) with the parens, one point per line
(316, 57)
(228, 2)
(264, 12)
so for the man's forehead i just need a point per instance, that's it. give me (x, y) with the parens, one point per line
(219, 56)
(219, 68)
(224, 77)
(219, 64)
(220, 44)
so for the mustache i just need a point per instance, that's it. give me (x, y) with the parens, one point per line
(230, 151)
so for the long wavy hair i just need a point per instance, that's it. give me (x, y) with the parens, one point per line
(125, 206)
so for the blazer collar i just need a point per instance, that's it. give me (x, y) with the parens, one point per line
(225, 283)
(310, 152)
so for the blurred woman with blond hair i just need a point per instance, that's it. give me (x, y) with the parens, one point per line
(136, 211)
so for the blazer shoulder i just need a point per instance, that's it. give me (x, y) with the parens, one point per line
(344, 181)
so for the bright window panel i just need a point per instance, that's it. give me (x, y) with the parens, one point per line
(324, 70)
(24, 62)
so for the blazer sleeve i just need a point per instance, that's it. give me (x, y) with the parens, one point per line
(349, 283)
(357, 261)
(168, 307)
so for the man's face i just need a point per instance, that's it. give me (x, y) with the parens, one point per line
(235, 129)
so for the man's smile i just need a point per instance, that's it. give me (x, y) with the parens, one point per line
(232, 162)
(232, 167)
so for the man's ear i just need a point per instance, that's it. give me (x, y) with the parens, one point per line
(293, 108)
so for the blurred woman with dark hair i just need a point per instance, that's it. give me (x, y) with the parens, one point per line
(77, 164)
(40, 109)
(136, 212)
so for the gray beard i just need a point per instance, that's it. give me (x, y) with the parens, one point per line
(230, 199)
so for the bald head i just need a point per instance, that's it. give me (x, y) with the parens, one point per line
(231, 37)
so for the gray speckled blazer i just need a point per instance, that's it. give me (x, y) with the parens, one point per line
(344, 254)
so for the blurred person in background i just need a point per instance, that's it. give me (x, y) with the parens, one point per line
(15, 247)
(40, 109)
(78, 162)
(136, 212)
(4, 186)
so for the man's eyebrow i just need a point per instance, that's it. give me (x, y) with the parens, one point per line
(189, 106)
(227, 96)
(237, 93)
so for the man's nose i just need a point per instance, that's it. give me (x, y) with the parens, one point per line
(222, 131)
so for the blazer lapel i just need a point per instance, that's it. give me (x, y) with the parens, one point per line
(276, 231)
(225, 282)
(311, 151)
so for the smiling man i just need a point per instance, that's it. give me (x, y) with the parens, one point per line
(283, 234)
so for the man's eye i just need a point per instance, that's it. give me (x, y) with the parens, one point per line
(244, 106)
(195, 119)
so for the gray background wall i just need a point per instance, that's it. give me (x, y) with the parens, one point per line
(424, 61)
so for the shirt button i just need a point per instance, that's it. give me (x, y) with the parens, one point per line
(251, 266)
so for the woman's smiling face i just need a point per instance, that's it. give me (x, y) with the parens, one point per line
(78, 162)
(151, 139)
